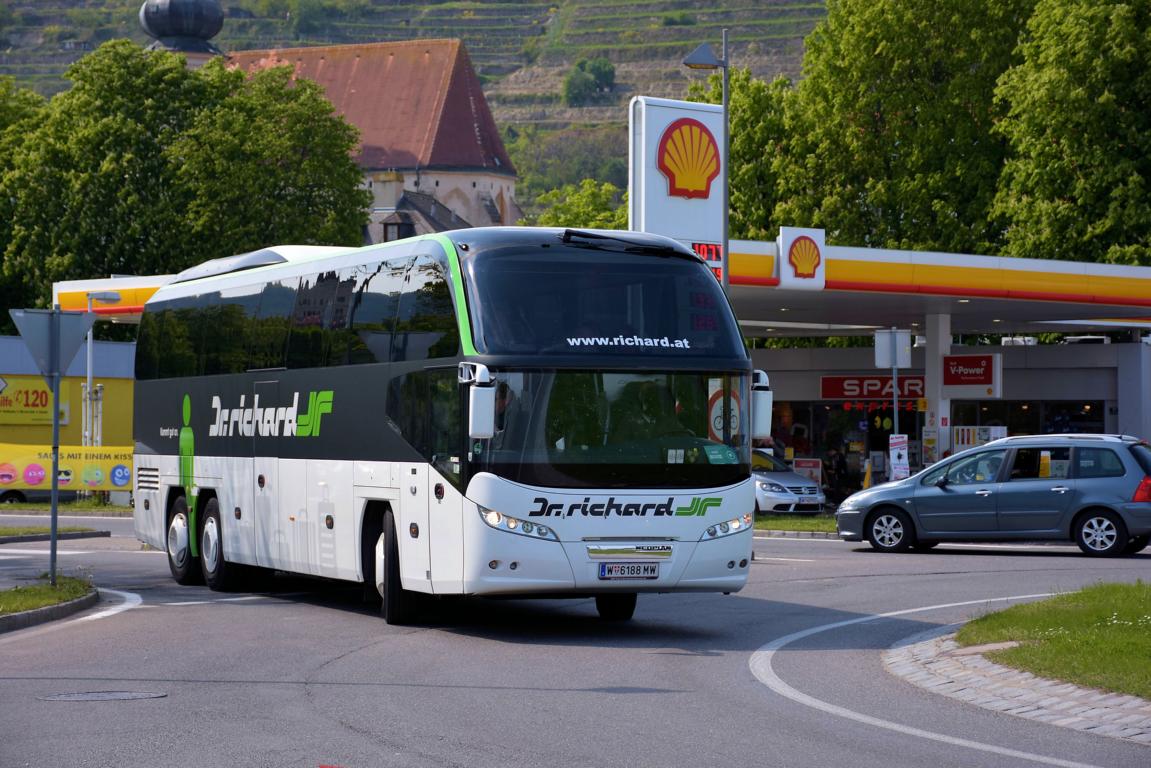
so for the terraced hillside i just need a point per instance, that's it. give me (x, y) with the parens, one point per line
(522, 49)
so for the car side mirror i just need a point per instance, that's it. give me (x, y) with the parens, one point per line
(941, 482)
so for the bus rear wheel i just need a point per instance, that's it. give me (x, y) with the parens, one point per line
(185, 568)
(616, 606)
(219, 574)
(400, 606)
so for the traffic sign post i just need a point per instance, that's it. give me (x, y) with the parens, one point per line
(53, 338)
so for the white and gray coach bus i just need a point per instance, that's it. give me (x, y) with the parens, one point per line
(503, 411)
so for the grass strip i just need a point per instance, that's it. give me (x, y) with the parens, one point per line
(824, 523)
(1099, 637)
(36, 530)
(80, 506)
(27, 598)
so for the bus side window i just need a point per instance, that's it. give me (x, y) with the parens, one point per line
(181, 339)
(426, 325)
(148, 345)
(270, 326)
(228, 322)
(311, 319)
(373, 310)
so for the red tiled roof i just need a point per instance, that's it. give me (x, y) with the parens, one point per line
(416, 103)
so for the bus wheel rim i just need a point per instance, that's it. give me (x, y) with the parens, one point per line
(211, 548)
(178, 539)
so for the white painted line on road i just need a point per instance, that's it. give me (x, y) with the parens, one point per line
(802, 539)
(761, 667)
(784, 559)
(13, 551)
(130, 601)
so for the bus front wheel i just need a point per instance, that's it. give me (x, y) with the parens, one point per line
(616, 606)
(185, 568)
(399, 605)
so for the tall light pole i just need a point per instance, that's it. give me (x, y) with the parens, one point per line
(704, 58)
(104, 297)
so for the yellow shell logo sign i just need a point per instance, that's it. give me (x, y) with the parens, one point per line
(688, 156)
(803, 256)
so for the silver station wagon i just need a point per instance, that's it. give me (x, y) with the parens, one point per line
(1094, 490)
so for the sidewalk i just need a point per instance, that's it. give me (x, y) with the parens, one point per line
(933, 661)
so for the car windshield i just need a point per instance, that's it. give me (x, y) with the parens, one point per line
(761, 461)
(609, 429)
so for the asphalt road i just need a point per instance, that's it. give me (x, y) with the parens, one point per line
(301, 673)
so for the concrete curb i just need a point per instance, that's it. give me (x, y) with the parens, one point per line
(933, 661)
(59, 536)
(798, 534)
(14, 621)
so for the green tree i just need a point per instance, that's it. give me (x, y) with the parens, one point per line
(892, 126)
(547, 160)
(601, 70)
(578, 87)
(588, 205)
(270, 162)
(123, 172)
(758, 138)
(1079, 125)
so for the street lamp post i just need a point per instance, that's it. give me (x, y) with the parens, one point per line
(103, 297)
(704, 58)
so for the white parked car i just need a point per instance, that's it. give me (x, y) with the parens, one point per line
(781, 490)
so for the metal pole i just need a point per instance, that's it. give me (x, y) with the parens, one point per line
(54, 363)
(895, 381)
(88, 391)
(726, 162)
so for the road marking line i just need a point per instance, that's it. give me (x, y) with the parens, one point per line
(761, 667)
(13, 551)
(784, 559)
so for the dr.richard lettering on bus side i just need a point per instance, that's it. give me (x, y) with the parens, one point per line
(537, 411)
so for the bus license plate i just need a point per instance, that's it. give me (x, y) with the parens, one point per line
(629, 570)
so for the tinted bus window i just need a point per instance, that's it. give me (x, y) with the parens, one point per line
(182, 332)
(228, 328)
(426, 321)
(307, 340)
(148, 345)
(270, 327)
(373, 318)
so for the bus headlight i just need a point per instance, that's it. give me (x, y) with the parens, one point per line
(502, 522)
(728, 527)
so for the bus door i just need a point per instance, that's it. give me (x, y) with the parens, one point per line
(273, 549)
(413, 533)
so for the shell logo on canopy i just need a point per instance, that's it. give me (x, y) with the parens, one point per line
(688, 155)
(804, 258)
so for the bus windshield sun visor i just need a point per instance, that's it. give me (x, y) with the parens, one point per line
(261, 258)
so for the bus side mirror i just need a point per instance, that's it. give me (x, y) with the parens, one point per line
(481, 400)
(761, 402)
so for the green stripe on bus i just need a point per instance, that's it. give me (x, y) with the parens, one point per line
(465, 323)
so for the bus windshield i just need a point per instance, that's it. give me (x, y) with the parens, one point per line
(581, 302)
(605, 429)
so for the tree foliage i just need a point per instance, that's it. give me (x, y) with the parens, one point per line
(758, 139)
(1079, 126)
(586, 79)
(587, 205)
(548, 160)
(892, 126)
(146, 167)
